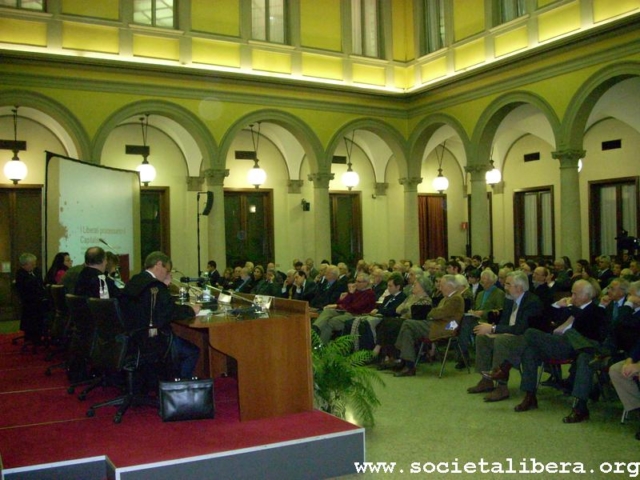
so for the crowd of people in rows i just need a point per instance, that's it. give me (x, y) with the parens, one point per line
(527, 315)
(503, 315)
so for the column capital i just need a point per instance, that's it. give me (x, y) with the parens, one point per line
(194, 184)
(381, 188)
(321, 180)
(477, 173)
(215, 176)
(568, 158)
(295, 186)
(410, 183)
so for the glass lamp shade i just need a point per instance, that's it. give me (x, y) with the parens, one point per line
(440, 183)
(15, 170)
(350, 179)
(147, 172)
(493, 176)
(579, 165)
(256, 176)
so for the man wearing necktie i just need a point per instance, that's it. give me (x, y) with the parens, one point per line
(577, 338)
(502, 344)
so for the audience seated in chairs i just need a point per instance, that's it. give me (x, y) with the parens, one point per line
(489, 299)
(439, 323)
(415, 306)
(502, 344)
(358, 300)
(578, 337)
(388, 308)
(329, 291)
(303, 288)
(147, 303)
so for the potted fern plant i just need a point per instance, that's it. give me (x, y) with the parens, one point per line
(341, 378)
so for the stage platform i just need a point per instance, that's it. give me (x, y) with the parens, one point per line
(45, 434)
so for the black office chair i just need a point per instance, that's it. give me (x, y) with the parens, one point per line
(118, 351)
(59, 334)
(82, 327)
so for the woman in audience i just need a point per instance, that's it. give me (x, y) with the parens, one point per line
(416, 306)
(584, 271)
(61, 263)
(258, 279)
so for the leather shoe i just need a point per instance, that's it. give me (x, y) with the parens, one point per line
(501, 392)
(406, 372)
(500, 373)
(530, 402)
(483, 386)
(576, 416)
(489, 374)
(389, 364)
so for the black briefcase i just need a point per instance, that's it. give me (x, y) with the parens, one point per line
(186, 400)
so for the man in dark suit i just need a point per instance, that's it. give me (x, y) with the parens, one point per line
(92, 280)
(246, 283)
(331, 291)
(388, 307)
(33, 296)
(577, 338)
(212, 273)
(501, 345)
(303, 289)
(147, 302)
(605, 275)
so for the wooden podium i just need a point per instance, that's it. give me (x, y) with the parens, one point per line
(273, 354)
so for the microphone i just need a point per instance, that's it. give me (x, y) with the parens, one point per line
(193, 279)
(110, 247)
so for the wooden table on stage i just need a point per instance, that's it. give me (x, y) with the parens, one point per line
(273, 354)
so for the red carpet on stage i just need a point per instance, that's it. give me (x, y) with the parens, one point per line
(40, 423)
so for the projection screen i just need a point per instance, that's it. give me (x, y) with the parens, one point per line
(89, 205)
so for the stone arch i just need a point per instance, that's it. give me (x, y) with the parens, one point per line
(57, 118)
(494, 114)
(581, 105)
(424, 130)
(194, 127)
(300, 130)
(391, 137)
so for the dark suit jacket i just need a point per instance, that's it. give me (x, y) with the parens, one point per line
(136, 304)
(530, 308)
(605, 277)
(308, 292)
(329, 295)
(88, 284)
(390, 303)
(589, 321)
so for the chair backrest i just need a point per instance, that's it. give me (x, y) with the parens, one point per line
(61, 311)
(110, 344)
(58, 293)
(82, 324)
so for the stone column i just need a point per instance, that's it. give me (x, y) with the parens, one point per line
(570, 226)
(217, 248)
(321, 214)
(411, 234)
(479, 218)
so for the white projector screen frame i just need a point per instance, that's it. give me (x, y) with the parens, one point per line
(86, 204)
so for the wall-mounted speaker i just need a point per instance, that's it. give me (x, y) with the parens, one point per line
(209, 205)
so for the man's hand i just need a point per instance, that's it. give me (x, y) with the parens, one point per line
(630, 369)
(483, 329)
